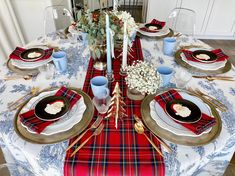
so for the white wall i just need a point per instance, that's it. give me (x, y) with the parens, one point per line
(215, 19)
(29, 13)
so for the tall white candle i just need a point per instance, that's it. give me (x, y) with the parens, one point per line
(109, 62)
(125, 47)
(112, 42)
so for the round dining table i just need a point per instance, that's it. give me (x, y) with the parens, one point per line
(48, 159)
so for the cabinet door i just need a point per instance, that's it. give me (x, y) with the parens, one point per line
(222, 18)
(200, 7)
(160, 9)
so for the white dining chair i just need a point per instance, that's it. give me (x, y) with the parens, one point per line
(56, 18)
(182, 20)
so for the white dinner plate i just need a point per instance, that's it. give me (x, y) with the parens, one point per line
(64, 124)
(29, 65)
(165, 122)
(164, 31)
(203, 66)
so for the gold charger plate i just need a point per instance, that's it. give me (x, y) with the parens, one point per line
(20, 70)
(58, 137)
(170, 34)
(183, 140)
(179, 60)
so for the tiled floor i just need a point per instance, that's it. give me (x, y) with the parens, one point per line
(228, 47)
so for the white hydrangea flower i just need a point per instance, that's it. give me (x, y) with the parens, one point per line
(142, 77)
(131, 25)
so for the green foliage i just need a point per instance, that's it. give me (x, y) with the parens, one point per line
(94, 24)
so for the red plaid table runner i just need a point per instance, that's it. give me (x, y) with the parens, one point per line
(219, 53)
(154, 21)
(15, 55)
(198, 127)
(30, 120)
(119, 151)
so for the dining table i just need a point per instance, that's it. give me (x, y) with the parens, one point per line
(48, 159)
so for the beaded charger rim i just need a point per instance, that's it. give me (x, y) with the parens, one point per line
(58, 137)
(200, 140)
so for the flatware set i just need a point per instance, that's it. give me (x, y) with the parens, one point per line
(93, 126)
(140, 129)
(95, 133)
(139, 121)
(212, 78)
(209, 99)
(20, 101)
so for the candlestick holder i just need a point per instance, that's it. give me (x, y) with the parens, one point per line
(99, 65)
(110, 76)
(123, 71)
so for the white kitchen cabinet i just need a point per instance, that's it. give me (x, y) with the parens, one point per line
(215, 18)
(222, 19)
(160, 9)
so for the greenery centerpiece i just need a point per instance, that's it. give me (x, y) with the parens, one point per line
(93, 23)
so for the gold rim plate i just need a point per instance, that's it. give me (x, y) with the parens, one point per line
(58, 137)
(20, 70)
(179, 60)
(170, 34)
(203, 139)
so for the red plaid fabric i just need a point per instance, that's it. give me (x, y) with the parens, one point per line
(30, 120)
(15, 55)
(198, 127)
(119, 151)
(72, 96)
(219, 53)
(154, 21)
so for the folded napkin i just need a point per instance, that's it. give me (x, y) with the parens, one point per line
(154, 21)
(219, 53)
(15, 55)
(30, 120)
(198, 127)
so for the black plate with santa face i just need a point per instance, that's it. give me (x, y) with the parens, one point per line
(43, 108)
(183, 111)
(158, 27)
(196, 55)
(25, 55)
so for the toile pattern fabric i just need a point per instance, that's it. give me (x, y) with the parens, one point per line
(211, 159)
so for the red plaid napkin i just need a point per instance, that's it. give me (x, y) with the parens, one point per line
(198, 127)
(219, 53)
(30, 120)
(115, 152)
(15, 55)
(154, 21)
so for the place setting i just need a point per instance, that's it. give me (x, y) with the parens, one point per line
(179, 114)
(155, 29)
(25, 61)
(54, 115)
(203, 60)
(29, 63)
(181, 117)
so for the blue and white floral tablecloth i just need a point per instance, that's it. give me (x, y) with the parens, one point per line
(211, 159)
